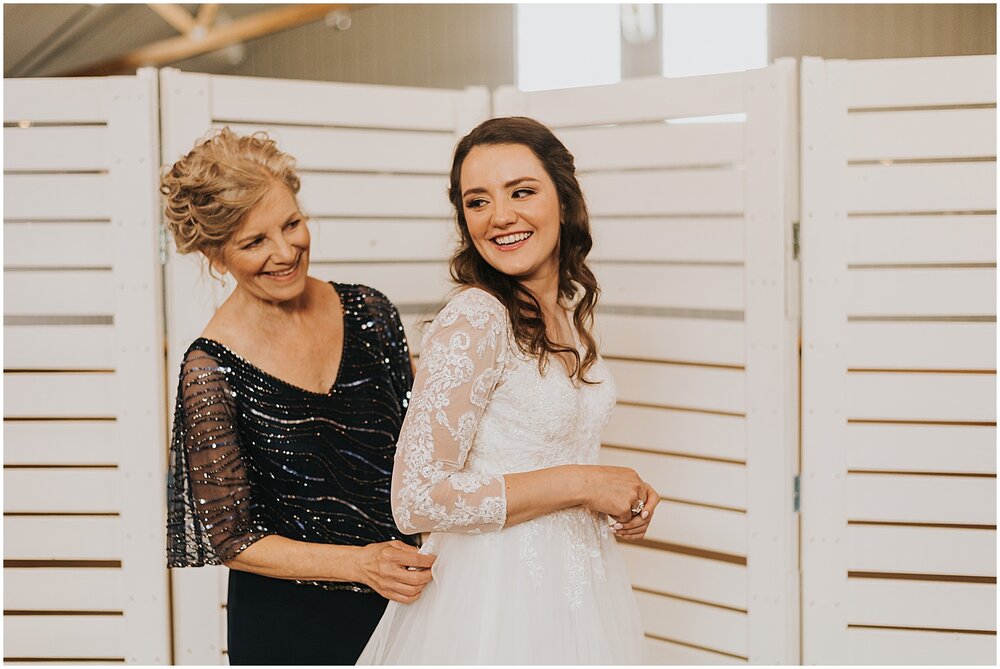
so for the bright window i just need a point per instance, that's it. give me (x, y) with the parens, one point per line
(710, 39)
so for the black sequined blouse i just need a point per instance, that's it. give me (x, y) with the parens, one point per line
(252, 455)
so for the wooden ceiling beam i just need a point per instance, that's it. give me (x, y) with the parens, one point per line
(174, 49)
(175, 15)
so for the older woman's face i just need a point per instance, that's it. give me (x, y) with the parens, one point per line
(268, 255)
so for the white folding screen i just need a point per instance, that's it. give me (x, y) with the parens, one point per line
(693, 250)
(84, 577)
(899, 361)
(374, 162)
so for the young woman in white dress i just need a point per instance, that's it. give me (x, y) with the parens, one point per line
(497, 454)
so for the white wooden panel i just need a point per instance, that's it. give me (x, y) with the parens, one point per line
(679, 287)
(77, 589)
(922, 292)
(941, 187)
(45, 100)
(698, 239)
(60, 395)
(63, 636)
(672, 431)
(922, 550)
(255, 100)
(910, 647)
(57, 245)
(922, 499)
(632, 147)
(716, 530)
(710, 581)
(374, 195)
(62, 538)
(59, 347)
(951, 133)
(199, 630)
(969, 449)
(82, 293)
(704, 191)
(679, 385)
(659, 652)
(48, 490)
(403, 283)
(60, 443)
(941, 605)
(718, 342)
(355, 150)
(707, 626)
(381, 240)
(56, 196)
(688, 479)
(901, 345)
(909, 82)
(922, 239)
(961, 397)
(56, 149)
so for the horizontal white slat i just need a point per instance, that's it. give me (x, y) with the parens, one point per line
(969, 449)
(60, 395)
(60, 443)
(922, 292)
(921, 499)
(941, 396)
(57, 490)
(922, 550)
(688, 479)
(629, 147)
(403, 283)
(56, 196)
(941, 605)
(699, 624)
(902, 345)
(950, 133)
(710, 529)
(73, 589)
(910, 647)
(82, 293)
(56, 149)
(59, 346)
(635, 100)
(62, 538)
(44, 100)
(678, 240)
(58, 245)
(717, 342)
(679, 287)
(703, 191)
(378, 195)
(659, 652)
(910, 82)
(698, 578)
(923, 239)
(941, 187)
(260, 100)
(356, 150)
(381, 239)
(679, 385)
(63, 636)
(669, 431)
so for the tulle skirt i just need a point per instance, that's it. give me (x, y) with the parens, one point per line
(553, 590)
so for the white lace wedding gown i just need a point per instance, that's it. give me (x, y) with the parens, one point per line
(552, 590)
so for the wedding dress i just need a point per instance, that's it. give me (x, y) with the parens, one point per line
(553, 590)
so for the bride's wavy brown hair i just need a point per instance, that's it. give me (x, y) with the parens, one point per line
(577, 285)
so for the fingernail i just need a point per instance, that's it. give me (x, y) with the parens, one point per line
(645, 514)
(618, 526)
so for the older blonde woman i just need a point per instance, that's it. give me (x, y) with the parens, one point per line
(288, 409)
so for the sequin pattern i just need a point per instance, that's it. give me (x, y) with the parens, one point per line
(252, 455)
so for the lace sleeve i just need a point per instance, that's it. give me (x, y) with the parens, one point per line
(462, 358)
(210, 512)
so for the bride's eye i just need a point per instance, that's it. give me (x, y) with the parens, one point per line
(475, 204)
(522, 193)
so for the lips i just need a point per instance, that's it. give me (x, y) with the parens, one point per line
(286, 274)
(512, 241)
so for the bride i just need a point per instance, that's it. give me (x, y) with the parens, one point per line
(497, 455)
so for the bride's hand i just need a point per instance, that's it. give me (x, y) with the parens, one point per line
(615, 491)
(636, 527)
(395, 570)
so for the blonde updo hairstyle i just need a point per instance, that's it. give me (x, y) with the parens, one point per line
(210, 191)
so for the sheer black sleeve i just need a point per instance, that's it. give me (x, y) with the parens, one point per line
(389, 326)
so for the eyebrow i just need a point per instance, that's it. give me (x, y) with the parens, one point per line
(509, 184)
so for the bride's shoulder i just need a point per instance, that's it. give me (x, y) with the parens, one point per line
(479, 307)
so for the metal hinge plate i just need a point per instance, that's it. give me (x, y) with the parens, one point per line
(795, 240)
(796, 494)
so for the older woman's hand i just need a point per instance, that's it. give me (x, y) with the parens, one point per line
(395, 570)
